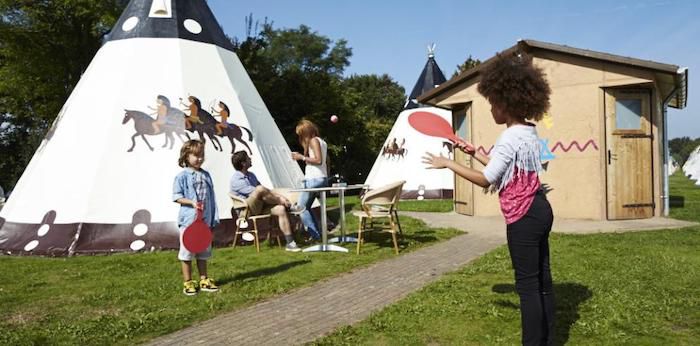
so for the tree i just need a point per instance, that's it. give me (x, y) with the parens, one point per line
(376, 101)
(44, 48)
(466, 65)
(299, 74)
(681, 148)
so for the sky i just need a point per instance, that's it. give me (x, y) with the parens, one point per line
(391, 37)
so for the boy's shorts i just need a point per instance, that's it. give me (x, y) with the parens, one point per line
(185, 255)
(257, 205)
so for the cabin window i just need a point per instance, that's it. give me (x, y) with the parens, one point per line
(460, 124)
(628, 114)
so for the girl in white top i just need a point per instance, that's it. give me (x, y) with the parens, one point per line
(518, 91)
(316, 173)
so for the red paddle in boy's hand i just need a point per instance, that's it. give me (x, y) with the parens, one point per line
(431, 124)
(197, 236)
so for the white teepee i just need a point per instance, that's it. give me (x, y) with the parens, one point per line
(101, 181)
(400, 157)
(691, 168)
(672, 166)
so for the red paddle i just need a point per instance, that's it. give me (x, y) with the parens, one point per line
(197, 236)
(433, 125)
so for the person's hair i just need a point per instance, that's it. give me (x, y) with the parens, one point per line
(238, 159)
(192, 146)
(515, 84)
(164, 100)
(306, 130)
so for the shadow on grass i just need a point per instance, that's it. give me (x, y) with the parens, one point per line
(383, 238)
(262, 272)
(676, 201)
(569, 296)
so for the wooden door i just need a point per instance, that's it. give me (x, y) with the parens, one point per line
(464, 189)
(629, 154)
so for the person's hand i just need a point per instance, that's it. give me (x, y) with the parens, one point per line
(466, 147)
(435, 161)
(197, 205)
(286, 202)
(296, 156)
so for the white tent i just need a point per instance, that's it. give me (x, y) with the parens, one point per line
(101, 181)
(672, 166)
(400, 157)
(691, 168)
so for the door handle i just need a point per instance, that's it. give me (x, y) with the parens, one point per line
(609, 156)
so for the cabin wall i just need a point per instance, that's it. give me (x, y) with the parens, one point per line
(572, 131)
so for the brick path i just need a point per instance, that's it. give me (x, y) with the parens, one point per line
(309, 313)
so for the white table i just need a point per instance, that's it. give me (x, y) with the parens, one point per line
(324, 246)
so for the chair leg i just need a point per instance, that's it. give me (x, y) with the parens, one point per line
(236, 233)
(276, 231)
(393, 237)
(396, 213)
(256, 235)
(359, 234)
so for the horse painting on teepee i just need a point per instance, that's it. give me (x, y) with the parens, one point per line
(114, 194)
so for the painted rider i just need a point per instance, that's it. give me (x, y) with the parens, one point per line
(223, 113)
(194, 107)
(394, 147)
(161, 111)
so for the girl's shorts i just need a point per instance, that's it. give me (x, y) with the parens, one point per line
(185, 255)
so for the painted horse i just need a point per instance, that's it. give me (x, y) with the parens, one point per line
(143, 124)
(208, 127)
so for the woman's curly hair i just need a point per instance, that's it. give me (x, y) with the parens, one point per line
(514, 83)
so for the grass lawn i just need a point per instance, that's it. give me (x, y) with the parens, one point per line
(636, 288)
(428, 205)
(129, 298)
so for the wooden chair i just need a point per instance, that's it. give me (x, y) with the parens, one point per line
(243, 210)
(380, 203)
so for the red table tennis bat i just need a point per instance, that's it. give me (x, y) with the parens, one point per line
(197, 236)
(431, 124)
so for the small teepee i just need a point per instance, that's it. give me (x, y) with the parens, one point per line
(101, 181)
(400, 157)
(691, 168)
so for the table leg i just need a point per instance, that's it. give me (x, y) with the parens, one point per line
(324, 246)
(342, 238)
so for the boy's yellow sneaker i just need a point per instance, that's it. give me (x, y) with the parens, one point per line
(190, 288)
(208, 285)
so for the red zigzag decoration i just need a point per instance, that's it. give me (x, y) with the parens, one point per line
(566, 149)
(556, 146)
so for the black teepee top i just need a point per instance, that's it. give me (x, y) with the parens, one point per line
(430, 78)
(185, 19)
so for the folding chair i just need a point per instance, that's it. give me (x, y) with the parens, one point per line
(380, 203)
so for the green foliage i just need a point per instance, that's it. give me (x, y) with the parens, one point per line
(299, 74)
(681, 148)
(466, 65)
(130, 298)
(44, 48)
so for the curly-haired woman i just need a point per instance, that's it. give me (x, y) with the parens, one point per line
(517, 92)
